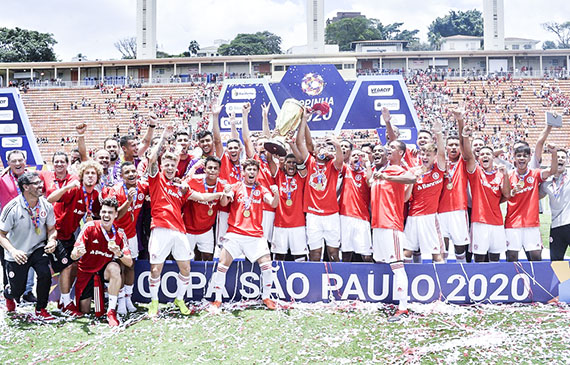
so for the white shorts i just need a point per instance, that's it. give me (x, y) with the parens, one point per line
(267, 224)
(487, 238)
(422, 233)
(252, 247)
(321, 227)
(455, 226)
(134, 246)
(221, 226)
(387, 245)
(204, 241)
(293, 239)
(528, 237)
(164, 241)
(355, 235)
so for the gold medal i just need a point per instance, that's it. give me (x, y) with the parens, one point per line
(289, 202)
(246, 213)
(38, 231)
(89, 218)
(319, 186)
(520, 184)
(111, 243)
(210, 212)
(449, 186)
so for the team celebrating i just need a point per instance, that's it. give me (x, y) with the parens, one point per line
(175, 197)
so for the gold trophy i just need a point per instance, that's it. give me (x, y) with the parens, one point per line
(288, 120)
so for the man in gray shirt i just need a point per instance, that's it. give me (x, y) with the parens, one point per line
(557, 188)
(27, 234)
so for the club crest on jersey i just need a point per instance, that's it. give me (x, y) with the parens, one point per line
(43, 214)
(256, 193)
(141, 196)
(358, 177)
(435, 175)
(293, 186)
(530, 180)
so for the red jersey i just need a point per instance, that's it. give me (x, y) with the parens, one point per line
(387, 201)
(355, 196)
(291, 188)
(426, 192)
(128, 222)
(76, 204)
(246, 195)
(320, 187)
(97, 253)
(166, 202)
(264, 177)
(51, 184)
(486, 197)
(229, 173)
(199, 217)
(522, 209)
(409, 160)
(455, 198)
(183, 166)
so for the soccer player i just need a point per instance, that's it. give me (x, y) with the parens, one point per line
(452, 210)
(354, 214)
(388, 195)
(168, 231)
(379, 159)
(245, 233)
(26, 222)
(182, 139)
(130, 194)
(422, 226)
(522, 224)
(80, 204)
(199, 217)
(488, 186)
(99, 249)
(320, 201)
(557, 188)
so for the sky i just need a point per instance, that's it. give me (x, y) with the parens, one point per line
(92, 27)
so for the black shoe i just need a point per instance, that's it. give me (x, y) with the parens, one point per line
(29, 297)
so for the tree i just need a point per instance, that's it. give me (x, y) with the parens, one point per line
(468, 22)
(127, 47)
(252, 44)
(548, 45)
(561, 30)
(194, 47)
(22, 45)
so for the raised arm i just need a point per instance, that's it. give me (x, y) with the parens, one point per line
(540, 143)
(217, 136)
(338, 160)
(205, 197)
(546, 173)
(81, 146)
(466, 150)
(145, 143)
(506, 187)
(155, 152)
(390, 134)
(458, 116)
(437, 131)
(57, 194)
(302, 150)
(245, 134)
(266, 132)
(272, 200)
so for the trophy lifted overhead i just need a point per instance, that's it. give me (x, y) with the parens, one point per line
(288, 120)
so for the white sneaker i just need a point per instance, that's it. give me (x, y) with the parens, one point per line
(121, 306)
(130, 306)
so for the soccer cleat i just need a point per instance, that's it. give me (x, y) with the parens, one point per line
(182, 306)
(130, 306)
(270, 304)
(70, 310)
(153, 308)
(44, 315)
(121, 307)
(399, 315)
(216, 304)
(29, 297)
(214, 307)
(112, 318)
(10, 305)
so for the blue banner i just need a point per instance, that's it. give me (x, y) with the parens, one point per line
(523, 282)
(353, 104)
(15, 129)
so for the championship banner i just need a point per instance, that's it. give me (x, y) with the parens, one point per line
(15, 128)
(520, 282)
(353, 104)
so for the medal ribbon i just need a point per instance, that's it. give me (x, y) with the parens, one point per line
(15, 182)
(206, 187)
(88, 203)
(237, 171)
(521, 178)
(34, 216)
(134, 200)
(247, 202)
(288, 180)
(320, 173)
(107, 235)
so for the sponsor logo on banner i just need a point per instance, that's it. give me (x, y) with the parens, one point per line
(380, 90)
(3, 102)
(397, 119)
(8, 128)
(234, 107)
(226, 124)
(6, 115)
(12, 142)
(391, 104)
(244, 94)
(405, 134)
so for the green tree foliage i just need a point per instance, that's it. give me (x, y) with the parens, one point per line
(548, 45)
(562, 32)
(348, 30)
(22, 45)
(252, 44)
(468, 22)
(194, 47)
